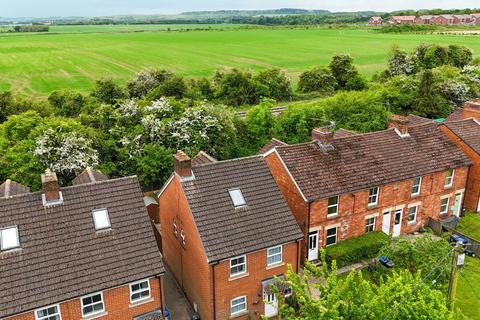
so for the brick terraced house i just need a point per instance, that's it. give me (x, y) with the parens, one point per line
(81, 252)
(464, 130)
(227, 232)
(391, 180)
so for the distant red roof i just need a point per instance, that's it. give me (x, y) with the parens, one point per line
(404, 18)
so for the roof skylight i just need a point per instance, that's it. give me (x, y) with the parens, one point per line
(9, 238)
(101, 219)
(237, 197)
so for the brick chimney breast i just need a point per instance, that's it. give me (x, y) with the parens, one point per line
(50, 187)
(471, 109)
(400, 123)
(322, 135)
(182, 165)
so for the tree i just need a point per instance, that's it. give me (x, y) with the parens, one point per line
(401, 63)
(459, 56)
(428, 102)
(279, 86)
(66, 102)
(237, 88)
(107, 91)
(174, 86)
(356, 298)
(318, 79)
(435, 56)
(146, 81)
(259, 123)
(344, 71)
(6, 100)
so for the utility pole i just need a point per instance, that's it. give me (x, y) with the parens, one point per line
(453, 274)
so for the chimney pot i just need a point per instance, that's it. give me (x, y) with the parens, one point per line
(182, 165)
(471, 109)
(50, 186)
(323, 135)
(400, 123)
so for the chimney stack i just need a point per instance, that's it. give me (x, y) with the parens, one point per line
(50, 187)
(471, 109)
(400, 123)
(322, 135)
(182, 165)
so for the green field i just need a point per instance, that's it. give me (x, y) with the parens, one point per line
(467, 297)
(74, 57)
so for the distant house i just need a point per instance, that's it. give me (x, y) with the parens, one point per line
(80, 252)
(476, 18)
(402, 20)
(375, 21)
(423, 20)
(227, 232)
(462, 19)
(444, 20)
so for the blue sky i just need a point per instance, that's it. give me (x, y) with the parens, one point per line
(44, 8)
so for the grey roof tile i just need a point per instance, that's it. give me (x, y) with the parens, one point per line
(468, 130)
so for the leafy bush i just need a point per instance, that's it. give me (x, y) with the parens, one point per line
(318, 79)
(279, 86)
(66, 103)
(107, 91)
(356, 249)
(342, 69)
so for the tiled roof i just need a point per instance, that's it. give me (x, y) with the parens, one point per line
(415, 120)
(343, 133)
(227, 231)
(202, 158)
(62, 257)
(11, 188)
(456, 115)
(468, 130)
(89, 176)
(368, 160)
(270, 145)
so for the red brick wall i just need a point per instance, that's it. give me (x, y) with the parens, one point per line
(472, 195)
(251, 285)
(188, 264)
(294, 199)
(116, 302)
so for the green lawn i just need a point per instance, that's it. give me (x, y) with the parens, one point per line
(467, 297)
(74, 57)
(470, 225)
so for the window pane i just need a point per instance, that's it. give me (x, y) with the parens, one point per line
(332, 201)
(332, 231)
(237, 197)
(9, 238)
(101, 219)
(412, 212)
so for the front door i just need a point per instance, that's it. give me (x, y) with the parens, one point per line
(271, 304)
(386, 222)
(397, 225)
(457, 208)
(313, 246)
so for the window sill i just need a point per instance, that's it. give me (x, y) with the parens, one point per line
(372, 206)
(448, 187)
(412, 222)
(238, 276)
(413, 196)
(332, 216)
(237, 315)
(276, 265)
(140, 302)
(95, 316)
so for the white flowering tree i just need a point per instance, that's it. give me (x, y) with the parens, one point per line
(455, 92)
(401, 63)
(67, 153)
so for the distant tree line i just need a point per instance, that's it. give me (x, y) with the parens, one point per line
(30, 28)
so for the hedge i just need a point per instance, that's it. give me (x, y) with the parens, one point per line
(353, 250)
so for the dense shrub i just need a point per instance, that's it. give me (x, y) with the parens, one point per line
(344, 71)
(237, 88)
(66, 103)
(146, 81)
(353, 250)
(401, 63)
(459, 56)
(175, 86)
(107, 91)
(319, 79)
(278, 85)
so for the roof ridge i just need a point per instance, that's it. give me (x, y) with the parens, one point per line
(227, 160)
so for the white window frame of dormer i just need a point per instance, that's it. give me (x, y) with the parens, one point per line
(109, 226)
(238, 264)
(17, 238)
(449, 178)
(446, 207)
(333, 206)
(275, 254)
(57, 313)
(416, 213)
(419, 185)
(139, 291)
(96, 312)
(238, 311)
(375, 195)
(232, 195)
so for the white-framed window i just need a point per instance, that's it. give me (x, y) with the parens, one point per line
(175, 229)
(370, 224)
(237, 197)
(333, 205)
(412, 214)
(417, 186)
(101, 219)
(238, 305)
(274, 255)
(449, 178)
(139, 291)
(92, 304)
(373, 196)
(9, 238)
(48, 313)
(182, 237)
(238, 265)
(444, 205)
(331, 236)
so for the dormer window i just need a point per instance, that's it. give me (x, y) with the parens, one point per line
(101, 219)
(237, 197)
(9, 238)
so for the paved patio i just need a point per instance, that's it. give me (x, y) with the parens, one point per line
(175, 300)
